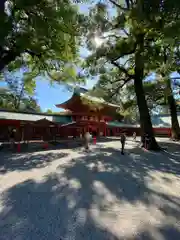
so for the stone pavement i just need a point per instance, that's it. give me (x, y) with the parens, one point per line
(100, 195)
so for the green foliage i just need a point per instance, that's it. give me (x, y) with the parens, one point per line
(41, 35)
(49, 111)
(8, 101)
(124, 97)
(132, 39)
(30, 104)
(19, 94)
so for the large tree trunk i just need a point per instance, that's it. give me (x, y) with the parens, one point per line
(175, 129)
(145, 119)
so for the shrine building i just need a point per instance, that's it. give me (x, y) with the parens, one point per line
(90, 114)
(82, 113)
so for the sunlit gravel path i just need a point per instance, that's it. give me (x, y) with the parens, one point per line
(100, 195)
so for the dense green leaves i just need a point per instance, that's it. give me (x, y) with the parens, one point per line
(49, 111)
(40, 34)
(19, 94)
(132, 40)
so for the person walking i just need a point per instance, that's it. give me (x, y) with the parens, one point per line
(87, 137)
(123, 140)
(12, 138)
(143, 140)
(134, 136)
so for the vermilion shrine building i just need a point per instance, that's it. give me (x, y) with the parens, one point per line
(89, 114)
(82, 113)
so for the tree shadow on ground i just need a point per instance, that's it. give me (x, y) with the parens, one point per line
(28, 161)
(41, 146)
(132, 168)
(48, 210)
(79, 142)
(108, 139)
(136, 179)
(101, 195)
(76, 143)
(171, 147)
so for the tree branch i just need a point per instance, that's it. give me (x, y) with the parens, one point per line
(118, 5)
(114, 92)
(19, 98)
(121, 86)
(7, 57)
(115, 81)
(111, 36)
(124, 83)
(175, 78)
(131, 51)
(122, 69)
(32, 53)
(124, 30)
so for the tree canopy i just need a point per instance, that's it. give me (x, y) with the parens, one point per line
(18, 95)
(49, 111)
(123, 39)
(41, 35)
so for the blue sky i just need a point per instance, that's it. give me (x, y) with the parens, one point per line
(49, 95)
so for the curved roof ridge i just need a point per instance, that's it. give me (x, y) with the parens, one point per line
(82, 92)
(98, 99)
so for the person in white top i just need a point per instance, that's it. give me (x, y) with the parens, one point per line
(87, 137)
(134, 136)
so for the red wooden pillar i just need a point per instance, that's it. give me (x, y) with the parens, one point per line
(99, 127)
(105, 130)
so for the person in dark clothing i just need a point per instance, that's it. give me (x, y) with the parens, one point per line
(143, 140)
(123, 140)
(147, 141)
(12, 137)
(12, 134)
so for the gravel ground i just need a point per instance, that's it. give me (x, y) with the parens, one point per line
(99, 195)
